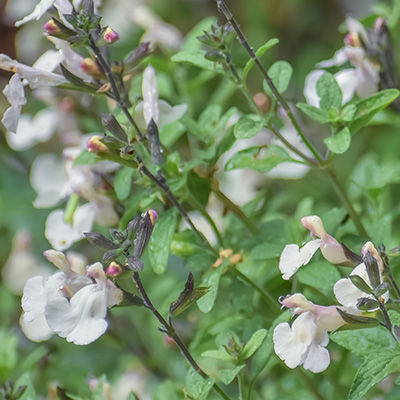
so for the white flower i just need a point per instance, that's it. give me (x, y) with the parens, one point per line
(157, 32)
(347, 293)
(38, 76)
(22, 263)
(363, 79)
(293, 257)
(69, 304)
(62, 235)
(304, 342)
(152, 107)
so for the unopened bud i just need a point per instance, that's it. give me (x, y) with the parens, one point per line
(51, 28)
(379, 23)
(110, 36)
(94, 145)
(153, 216)
(352, 40)
(89, 66)
(113, 270)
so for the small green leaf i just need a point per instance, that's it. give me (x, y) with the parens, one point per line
(197, 385)
(260, 51)
(87, 158)
(329, 92)
(367, 108)
(314, 113)
(259, 158)
(348, 112)
(196, 57)
(210, 279)
(280, 72)
(253, 344)
(247, 127)
(160, 241)
(374, 369)
(228, 375)
(123, 182)
(339, 143)
(359, 282)
(220, 354)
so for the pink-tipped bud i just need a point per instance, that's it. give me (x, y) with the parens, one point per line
(110, 36)
(94, 145)
(314, 225)
(89, 66)
(51, 28)
(379, 22)
(113, 270)
(370, 248)
(352, 40)
(153, 216)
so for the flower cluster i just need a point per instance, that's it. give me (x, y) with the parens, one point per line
(304, 342)
(72, 302)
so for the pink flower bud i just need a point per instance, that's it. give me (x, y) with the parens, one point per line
(153, 216)
(352, 40)
(379, 22)
(110, 36)
(89, 66)
(51, 28)
(113, 270)
(94, 145)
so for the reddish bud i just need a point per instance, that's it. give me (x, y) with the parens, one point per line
(113, 270)
(51, 28)
(89, 66)
(94, 145)
(110, 36)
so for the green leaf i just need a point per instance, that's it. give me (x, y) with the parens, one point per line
(160, 241)
(253, 344)
(247, 127)
(228, 375)
(197, 385)
(191, 41)
(210, 279)
(169, 390)
(366, 341)
(87, 158)
(8, 353)
(259, 158)
(265, 251)
(339, 143)
(123, 182)
(260, 51)
(370, 106)
(314, 113)
(329, 92)
(376, 367)
(348, 112)
(319, 275)
(29, 392)
(280, 72)
(196, 57)
(220, 354)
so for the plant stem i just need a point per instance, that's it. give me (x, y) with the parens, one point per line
(107, 71)
(266, 296)
(197, 205)
(346, 201)
(171, 332)
(231, 206)
(243, 88)
(164, 187)
(223, 8)
(241, 386)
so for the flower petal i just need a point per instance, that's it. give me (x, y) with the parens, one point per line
(310, 87)
(38, 12)
(150, 95)
(80, 320)
(292, 257)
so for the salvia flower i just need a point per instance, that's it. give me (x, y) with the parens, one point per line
(304, 342)
(72, 303)
(293, 257)
(345, 290)
(37, 76)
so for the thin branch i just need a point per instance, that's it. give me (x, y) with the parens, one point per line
(170, 331)
(223, 8)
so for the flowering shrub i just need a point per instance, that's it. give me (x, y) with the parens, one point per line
(173, 176)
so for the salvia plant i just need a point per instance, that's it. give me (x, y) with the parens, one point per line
(183, 175)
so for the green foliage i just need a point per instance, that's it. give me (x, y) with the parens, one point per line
(280, 72)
